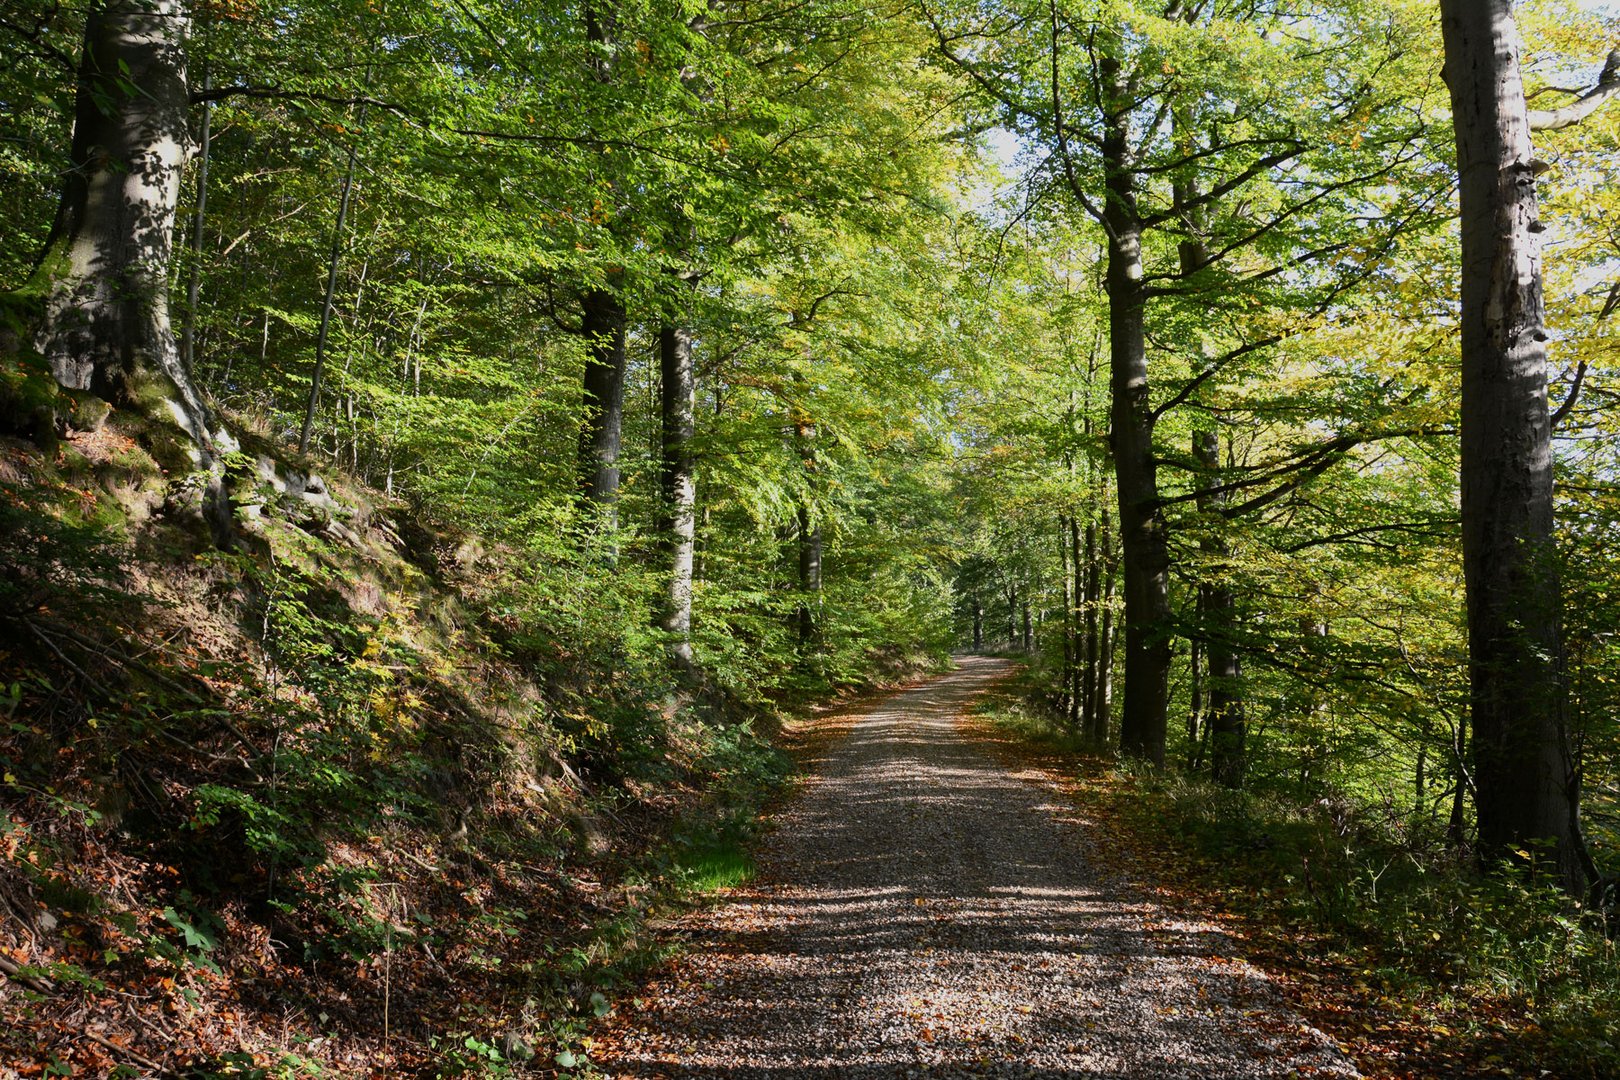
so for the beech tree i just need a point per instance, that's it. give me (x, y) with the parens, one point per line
(603, 322)
(603, 328)
(104, 277)
(1218, 186)
(678, 527)
(1527, 790)
(1156, 123)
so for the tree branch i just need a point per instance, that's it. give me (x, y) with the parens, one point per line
(1416, 528)
(1309, 463)
(1214, 368)
(1611, 302)
(1608, 86)
(1061, 129)
(1230, 184)
(277, 93)
(1573, 396)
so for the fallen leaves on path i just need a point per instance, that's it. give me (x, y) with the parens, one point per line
(924, 910)
(1337, 991)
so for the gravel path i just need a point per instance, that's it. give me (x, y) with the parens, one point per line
(923, 912)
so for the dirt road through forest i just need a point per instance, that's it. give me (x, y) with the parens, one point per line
(922, 911)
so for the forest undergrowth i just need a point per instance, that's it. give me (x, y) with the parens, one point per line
(654, 369)
(1381, 931)
(340, 797)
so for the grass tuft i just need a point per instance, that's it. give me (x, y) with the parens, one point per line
(713, 867)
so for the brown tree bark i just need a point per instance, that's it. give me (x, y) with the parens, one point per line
(1145, 554)
(104, 277)
(1224, 715)
(603, 328)
(1528, 797)
(1102, 712)
(1012, 614)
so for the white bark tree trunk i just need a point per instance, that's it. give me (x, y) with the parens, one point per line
(679, 528)
(106, 324)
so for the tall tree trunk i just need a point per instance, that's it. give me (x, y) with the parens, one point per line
(105, 272)
(1228, 728)
(678, 529)
(1456, 824)
(1144, 549)
(1225, 716)
(1527, 788)
(603, 328)
(809, 575)
(1066, 627)
(978, 623)
(1012, 615)
(1029, 633)
(1420, 780)
(809, 534)
(199, 218)
(1195, 699)
(1224, 730)
(333, 263)
(1103, 710)
(1089, 648)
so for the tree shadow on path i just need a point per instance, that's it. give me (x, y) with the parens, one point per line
(922, 911)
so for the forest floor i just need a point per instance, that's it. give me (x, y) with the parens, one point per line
(928, 905)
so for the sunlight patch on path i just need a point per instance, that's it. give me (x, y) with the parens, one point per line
(922, 911)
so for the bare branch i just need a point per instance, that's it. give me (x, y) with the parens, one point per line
(1608, 86)
(1415, 528)
(1572, 398)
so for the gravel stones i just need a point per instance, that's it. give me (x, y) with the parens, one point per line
(923, 912)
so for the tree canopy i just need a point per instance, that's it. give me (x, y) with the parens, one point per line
(1246, 367)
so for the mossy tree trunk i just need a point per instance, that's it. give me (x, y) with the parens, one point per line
(104, 277)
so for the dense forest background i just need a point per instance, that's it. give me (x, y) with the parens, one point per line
(491, 415)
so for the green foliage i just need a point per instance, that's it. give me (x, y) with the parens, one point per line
(1392, 898)
(1028, 719)
(1431, 925)
(468, 1055)
(716, 865)
(895, 348)
(65, 548)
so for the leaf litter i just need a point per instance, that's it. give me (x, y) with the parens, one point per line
(925, 909)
